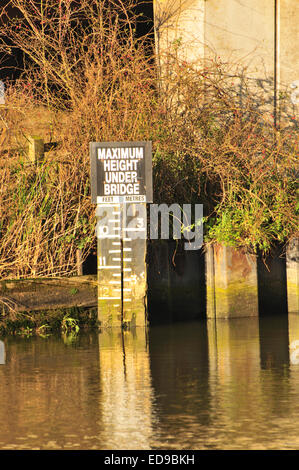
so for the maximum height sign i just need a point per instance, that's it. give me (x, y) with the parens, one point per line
(121, 172)
(121, 185)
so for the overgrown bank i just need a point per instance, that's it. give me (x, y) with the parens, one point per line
(89, 78)
(68, 322)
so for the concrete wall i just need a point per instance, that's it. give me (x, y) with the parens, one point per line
(257, 38)
(258, 42)
(180, 20)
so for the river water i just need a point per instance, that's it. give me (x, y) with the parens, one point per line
(205, 385)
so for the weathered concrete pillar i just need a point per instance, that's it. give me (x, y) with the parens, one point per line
(210, 283)
(231, 277)
(293, 276)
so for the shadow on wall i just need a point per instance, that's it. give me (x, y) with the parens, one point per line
(176, 282)
(272, 283)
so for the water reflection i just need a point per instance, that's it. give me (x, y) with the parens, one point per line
(126, 400)
(274, 342)
(204, 385)
(234, 352)
(47, 392)
(180, 378)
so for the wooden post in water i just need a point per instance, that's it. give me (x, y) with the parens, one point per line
(121, 184)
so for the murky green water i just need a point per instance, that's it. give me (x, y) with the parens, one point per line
(230, 385)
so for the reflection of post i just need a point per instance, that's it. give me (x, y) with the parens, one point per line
(275, 361)
(231, 345)
(2, 353)
(126, 389)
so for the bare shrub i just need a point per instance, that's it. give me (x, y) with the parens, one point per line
(89, 78)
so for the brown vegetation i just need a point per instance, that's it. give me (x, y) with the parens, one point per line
(89, 78)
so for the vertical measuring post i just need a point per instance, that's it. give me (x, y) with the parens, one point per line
(109, 265)
(121, 184)
(134, 264)
(121, 235)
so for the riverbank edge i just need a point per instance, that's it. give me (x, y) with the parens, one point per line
(40, 306)
(46, 322)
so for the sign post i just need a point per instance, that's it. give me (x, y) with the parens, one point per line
(121, 185)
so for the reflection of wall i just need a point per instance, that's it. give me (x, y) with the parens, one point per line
(179, 368)
(231, 277)
(274, 341)
(126, 398)
(294, 353)
(275, 374)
